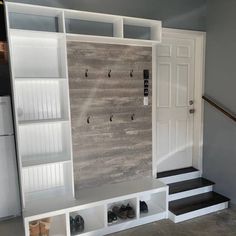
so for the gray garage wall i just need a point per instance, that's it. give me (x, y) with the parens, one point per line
(182, 14)
(219, 131)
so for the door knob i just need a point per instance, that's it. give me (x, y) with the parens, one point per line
(191, 102)
(191, 111)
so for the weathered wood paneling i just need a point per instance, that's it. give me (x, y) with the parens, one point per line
(121, 150)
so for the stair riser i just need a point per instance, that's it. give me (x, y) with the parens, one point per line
(197, 213)
(179, 178)
(190, 193)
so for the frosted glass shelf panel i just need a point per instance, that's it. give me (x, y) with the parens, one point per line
(137, 32)
(38, 56)
(29, 161)
(41, 99)
(46, 181)
(34, 22)
(86, 27)
(44, 140)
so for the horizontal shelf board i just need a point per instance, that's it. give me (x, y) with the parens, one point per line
(35, 34)
(30, 79)
(42, 122)
(110, 40)
(120, 222)
(38, 160)
(95, 197)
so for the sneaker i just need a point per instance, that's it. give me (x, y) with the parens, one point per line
(143, 207)
(111, 217)
(45, 225)
(73, 229)
(79, 223)
(130, 212)
(121, 212)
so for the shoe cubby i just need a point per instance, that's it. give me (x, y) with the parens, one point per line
(93, 219)
(51, 226)
(41, 100)
(38, 55)
(156, 203)
(132, 203)
(44, 143)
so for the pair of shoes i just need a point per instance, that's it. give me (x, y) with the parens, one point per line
(40, 227)
(143, 207)
(124, 212)
(76, 224)
(111, 217)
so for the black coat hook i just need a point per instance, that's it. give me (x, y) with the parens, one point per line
(131, 74)
(132, 116)
(111, 118)
(88, 119)
(86, 73)
(109, 73)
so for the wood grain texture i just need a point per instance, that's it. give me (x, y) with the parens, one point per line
(109, 152)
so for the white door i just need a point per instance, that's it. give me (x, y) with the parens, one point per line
(175, 102)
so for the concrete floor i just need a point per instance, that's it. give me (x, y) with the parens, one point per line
(218, 224)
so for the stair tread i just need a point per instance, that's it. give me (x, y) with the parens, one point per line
(189, 185)
(176, 172)
(186, 205)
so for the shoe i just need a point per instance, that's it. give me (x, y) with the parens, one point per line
(121, 212)
(73, 229)
(111, 217)
(45, 225)
(34, 228)
(130, 212)
(143, 207)
(79, 223)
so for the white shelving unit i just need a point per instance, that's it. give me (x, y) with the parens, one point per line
(38, 57)
(93, 205)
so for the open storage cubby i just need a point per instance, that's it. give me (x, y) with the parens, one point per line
(143, 30)
(38, 55)
(94, 219)
(87, 23)
(44, 143)
(33, 18)
(155, 202)
(132, 203)
(57, 225)
(41, 99)
(47, 181)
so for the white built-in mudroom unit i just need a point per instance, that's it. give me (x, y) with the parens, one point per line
(108, 113)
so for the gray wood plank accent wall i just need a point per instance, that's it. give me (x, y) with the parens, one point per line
(104, 151)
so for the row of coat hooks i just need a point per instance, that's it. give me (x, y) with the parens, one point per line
(132, 117)
(131, 73)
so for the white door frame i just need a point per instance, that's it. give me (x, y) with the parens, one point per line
(200, 45)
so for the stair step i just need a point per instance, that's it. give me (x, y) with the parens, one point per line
(189, 185)
(177, 175)
(202, 204)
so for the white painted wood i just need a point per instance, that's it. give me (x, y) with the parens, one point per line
(197, 213)
(175, 88)
(190, 193)
(181, 177)
(92, 205)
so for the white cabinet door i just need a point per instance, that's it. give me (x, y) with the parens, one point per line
(9, 194)
(175, 100)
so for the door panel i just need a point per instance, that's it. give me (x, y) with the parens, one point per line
(175, 90)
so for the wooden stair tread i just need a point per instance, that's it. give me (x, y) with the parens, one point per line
(189, 185)
(176, 172)
(189, 204)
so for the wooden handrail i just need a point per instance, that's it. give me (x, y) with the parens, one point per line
(220, 108)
